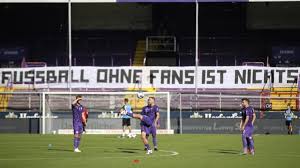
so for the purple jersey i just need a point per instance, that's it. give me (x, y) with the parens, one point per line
(249, 111)
(151, 112)
(148, 130)
(77, 114)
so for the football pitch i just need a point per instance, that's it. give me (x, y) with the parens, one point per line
(175, 151)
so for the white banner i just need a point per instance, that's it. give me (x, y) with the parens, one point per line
(159, 77)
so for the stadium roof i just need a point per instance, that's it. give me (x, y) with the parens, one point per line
(104, 1)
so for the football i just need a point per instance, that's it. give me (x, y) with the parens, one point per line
(140, 95)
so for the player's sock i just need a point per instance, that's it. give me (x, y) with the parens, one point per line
(251, 145)
(245, 145)
(147, 146)
(248, 146)
(76, 142)
(154, 140)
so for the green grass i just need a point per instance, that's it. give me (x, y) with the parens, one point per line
(194, 151)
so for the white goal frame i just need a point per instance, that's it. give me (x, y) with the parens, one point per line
(168, 129)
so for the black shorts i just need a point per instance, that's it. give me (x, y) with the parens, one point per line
(288, 123)
(126, 122)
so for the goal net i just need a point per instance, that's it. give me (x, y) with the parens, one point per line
(103, 108)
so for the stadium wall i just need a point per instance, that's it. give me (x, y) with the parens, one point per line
(190, 126)
(231, 126)
(28, 125)
(274, 123)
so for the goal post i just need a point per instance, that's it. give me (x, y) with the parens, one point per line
(103, 110)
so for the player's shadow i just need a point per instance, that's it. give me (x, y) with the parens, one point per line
(126, 151)
(60, 150)
(129, 150)
(224, 151)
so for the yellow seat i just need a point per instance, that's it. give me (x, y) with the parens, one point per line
(280, 104)
(4, 98)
